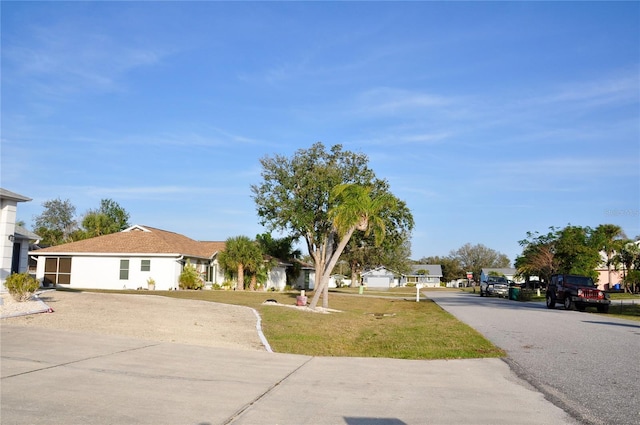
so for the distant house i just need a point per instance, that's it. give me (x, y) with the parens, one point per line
(338, 281)
(427, 275)
(603, 273)
(277, 279)
(307, 278)
(125, 260)
(509, 273)
(379, 278)
(15, 239)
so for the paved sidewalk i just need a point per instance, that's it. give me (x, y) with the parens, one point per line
(63, 377)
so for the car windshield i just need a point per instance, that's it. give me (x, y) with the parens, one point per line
(497, 280)
(579, 280)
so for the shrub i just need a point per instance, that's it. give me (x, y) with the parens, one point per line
(189, 278)
(22, 286)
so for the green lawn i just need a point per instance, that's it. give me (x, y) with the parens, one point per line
(380, 324)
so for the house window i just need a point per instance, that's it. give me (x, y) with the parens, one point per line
(57, 270)
(212, 275)
(145, 265)
(124, 269)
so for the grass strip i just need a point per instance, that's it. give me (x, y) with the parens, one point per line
(382, 324)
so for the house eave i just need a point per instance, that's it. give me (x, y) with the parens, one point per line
(38, 253)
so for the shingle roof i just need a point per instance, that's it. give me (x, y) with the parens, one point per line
(139, 240)
(433, 269)
(25, 234)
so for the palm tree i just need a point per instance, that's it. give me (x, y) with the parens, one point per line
(607, 238)
(239, 253)
(355, 209)
(629, 257)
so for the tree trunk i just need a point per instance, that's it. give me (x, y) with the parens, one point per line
(325, 292)
(317, 289)
(240, 284)
(326, 273)
(354, 275)
(609, 268)
(252, 285)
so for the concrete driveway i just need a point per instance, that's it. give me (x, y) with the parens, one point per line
(65, 377)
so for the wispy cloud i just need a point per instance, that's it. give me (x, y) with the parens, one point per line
(56, 62)
(601, 92)
(390, 101)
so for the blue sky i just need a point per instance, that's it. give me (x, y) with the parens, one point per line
(490, 119)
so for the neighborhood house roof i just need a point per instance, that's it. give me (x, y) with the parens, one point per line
(432, 269)
(378, 271)
(507, 271)
(138, 240)
(21, 232)
(7, 194)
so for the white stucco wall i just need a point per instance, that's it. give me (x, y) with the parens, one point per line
(8, 208)
(277, 279)
(104, 272)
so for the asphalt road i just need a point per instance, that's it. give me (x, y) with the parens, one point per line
(587, 364)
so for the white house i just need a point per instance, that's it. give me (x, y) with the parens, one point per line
(127, 259)
(427, 275)
(509, 273)
(338, 281)
(277, 279)
(14, 239)
(307, 278)
(379, 278)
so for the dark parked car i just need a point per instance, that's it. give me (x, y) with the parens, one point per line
(576, 291)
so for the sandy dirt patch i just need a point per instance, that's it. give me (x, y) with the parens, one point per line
(148, 317)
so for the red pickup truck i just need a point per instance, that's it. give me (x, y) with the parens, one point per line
(576, 291)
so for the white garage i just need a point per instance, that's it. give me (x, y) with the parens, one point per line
(379, 278)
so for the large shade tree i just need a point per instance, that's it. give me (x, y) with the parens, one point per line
(109, 218)
(451, 269)
(474, 258)
(570, 250)
(295, 197)
(57, 223)
(575, 251)
(537, 258)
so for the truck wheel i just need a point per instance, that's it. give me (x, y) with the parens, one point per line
(603, 308)
(551, 301)
(567, 302)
